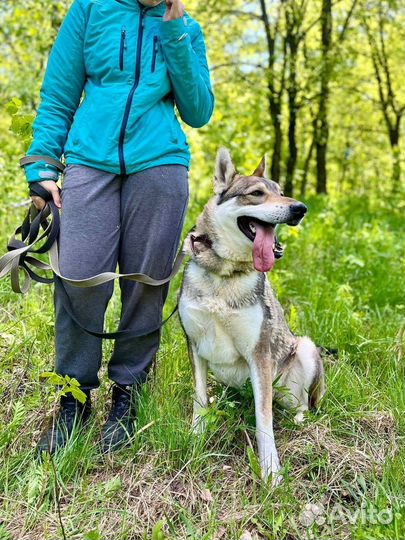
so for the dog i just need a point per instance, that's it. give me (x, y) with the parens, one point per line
(232, 320)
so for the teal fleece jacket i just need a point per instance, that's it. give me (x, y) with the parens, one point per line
(133, 67)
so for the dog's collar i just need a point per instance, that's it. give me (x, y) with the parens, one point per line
(202, 238)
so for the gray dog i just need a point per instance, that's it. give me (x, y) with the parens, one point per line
(232, 319)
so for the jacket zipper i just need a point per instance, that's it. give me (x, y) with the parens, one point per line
(132, 92)
(154, 53)
(122, 47)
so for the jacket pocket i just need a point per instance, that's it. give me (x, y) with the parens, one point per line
(154, 53)
(123, 46)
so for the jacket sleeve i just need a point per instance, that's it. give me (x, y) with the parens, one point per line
(60, 94)
(186, 61)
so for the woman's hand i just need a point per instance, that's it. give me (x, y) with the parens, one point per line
(53, 189)
(174, 10)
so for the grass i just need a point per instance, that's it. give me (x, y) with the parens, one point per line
(341, 282)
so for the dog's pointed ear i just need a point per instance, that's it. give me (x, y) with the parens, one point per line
(224, 170)
(262, 169)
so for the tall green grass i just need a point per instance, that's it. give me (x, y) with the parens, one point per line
(341, 282)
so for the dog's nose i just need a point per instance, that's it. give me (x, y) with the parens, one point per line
(298, 209)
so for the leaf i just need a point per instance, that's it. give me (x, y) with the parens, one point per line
(112, 486)
(13, 106)
(78, 394)
(92, 535)
(203, 411)
(47, 374)
(254, 462)
(53, 378)
(157, 533)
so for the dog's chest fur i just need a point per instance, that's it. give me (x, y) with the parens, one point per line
(226, 318)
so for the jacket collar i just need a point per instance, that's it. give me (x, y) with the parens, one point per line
(156, 11)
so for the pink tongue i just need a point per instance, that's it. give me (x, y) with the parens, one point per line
(263, 255)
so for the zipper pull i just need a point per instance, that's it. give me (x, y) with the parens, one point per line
(123, 46)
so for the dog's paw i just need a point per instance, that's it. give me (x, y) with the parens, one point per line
(274, 478)
(271, 471)
(299, 418)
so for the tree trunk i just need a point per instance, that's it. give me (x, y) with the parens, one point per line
(396, 163)
(306, 167)
(292, 157)
(275, 90)
(322, 125)
(275, 111)
(321, 149)
(292, 120)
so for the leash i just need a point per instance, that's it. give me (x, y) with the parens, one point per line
(19, 257)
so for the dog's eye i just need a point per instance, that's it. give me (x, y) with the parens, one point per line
(256, 193)
(282, 193)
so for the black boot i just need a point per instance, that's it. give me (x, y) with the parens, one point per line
(119, 427)
(71, 413)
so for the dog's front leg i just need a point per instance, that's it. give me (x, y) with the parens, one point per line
(200, 367)
(262, 381)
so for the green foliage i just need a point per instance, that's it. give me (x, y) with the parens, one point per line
(157, 533)
(253, 462)
(93, 535)
(66, 385)
(21, 124)
(238, 56)
(4, 534)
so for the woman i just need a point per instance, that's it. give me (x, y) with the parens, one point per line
(125, 187)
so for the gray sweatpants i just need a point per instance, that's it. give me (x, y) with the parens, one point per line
(136, 221)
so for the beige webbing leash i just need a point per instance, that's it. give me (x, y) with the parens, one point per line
(104, 277)
(18, 250)
(19, 258)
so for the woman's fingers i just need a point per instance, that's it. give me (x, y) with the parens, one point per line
(55, 194)
(53, 189)
(174, 10)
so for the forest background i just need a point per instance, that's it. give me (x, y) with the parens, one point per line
(318, 86)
